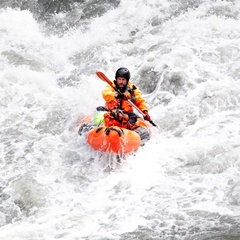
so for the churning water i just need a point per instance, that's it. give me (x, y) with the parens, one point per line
(183, 184)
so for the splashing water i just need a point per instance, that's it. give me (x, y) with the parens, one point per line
(183, 184)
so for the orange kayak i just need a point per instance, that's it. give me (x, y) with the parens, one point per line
(113, 139)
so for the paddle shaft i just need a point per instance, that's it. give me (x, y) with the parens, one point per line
(103, 77)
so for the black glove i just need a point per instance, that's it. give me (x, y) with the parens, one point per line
(147, 116)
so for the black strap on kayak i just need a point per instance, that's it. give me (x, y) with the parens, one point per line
(108, 129)
(119, 131)
(99, 129)
(101, 108)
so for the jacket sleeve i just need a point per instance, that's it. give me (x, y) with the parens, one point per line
(140, 102)
(108, 93)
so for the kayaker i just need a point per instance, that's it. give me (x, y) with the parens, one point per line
(120, 111)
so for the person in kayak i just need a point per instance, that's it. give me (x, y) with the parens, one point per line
(119, 110)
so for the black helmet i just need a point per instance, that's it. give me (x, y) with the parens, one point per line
(123, 72)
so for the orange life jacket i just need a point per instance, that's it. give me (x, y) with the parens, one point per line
(119, 103)
(112, 103)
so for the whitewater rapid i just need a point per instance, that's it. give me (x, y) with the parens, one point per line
(183, 184)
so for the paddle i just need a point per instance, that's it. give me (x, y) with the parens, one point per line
(103, 77)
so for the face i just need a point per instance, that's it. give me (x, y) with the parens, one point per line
(121, 82)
